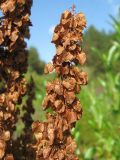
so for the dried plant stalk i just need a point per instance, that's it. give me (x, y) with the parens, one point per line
(22, 149)
(54, 140)
(14, 28)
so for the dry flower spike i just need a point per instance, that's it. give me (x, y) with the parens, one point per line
(53, 138)
(14, 28)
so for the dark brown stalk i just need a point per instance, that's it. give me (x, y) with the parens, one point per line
(22, 149)
(14, 28)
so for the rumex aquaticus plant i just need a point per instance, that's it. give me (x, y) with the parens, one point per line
(53, 137)
(14, 28)
(54, 140)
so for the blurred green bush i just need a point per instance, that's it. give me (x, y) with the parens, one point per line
(98, 132)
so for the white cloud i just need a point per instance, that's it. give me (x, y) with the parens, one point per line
(51, 29)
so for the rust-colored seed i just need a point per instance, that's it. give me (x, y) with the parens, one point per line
(53, 138)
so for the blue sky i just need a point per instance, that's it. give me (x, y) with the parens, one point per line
(46, 14)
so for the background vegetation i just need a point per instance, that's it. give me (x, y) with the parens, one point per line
(98, 132)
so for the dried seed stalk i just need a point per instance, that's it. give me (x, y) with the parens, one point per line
(14, 28)
(22, 149)
(54, 141)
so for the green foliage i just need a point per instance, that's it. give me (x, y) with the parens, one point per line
(35, 63)
(101, 41)
(98, 133)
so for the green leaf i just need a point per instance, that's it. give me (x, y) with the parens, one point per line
(111, 52)
(90, 153)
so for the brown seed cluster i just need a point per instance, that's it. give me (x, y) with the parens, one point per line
(22, 149)
(54, 141)
(14, 28)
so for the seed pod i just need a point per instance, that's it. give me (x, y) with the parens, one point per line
(2, 148)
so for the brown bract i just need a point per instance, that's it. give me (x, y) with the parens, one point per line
(9, 157)
(8, 6)
(48, 68)
(53, 138)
